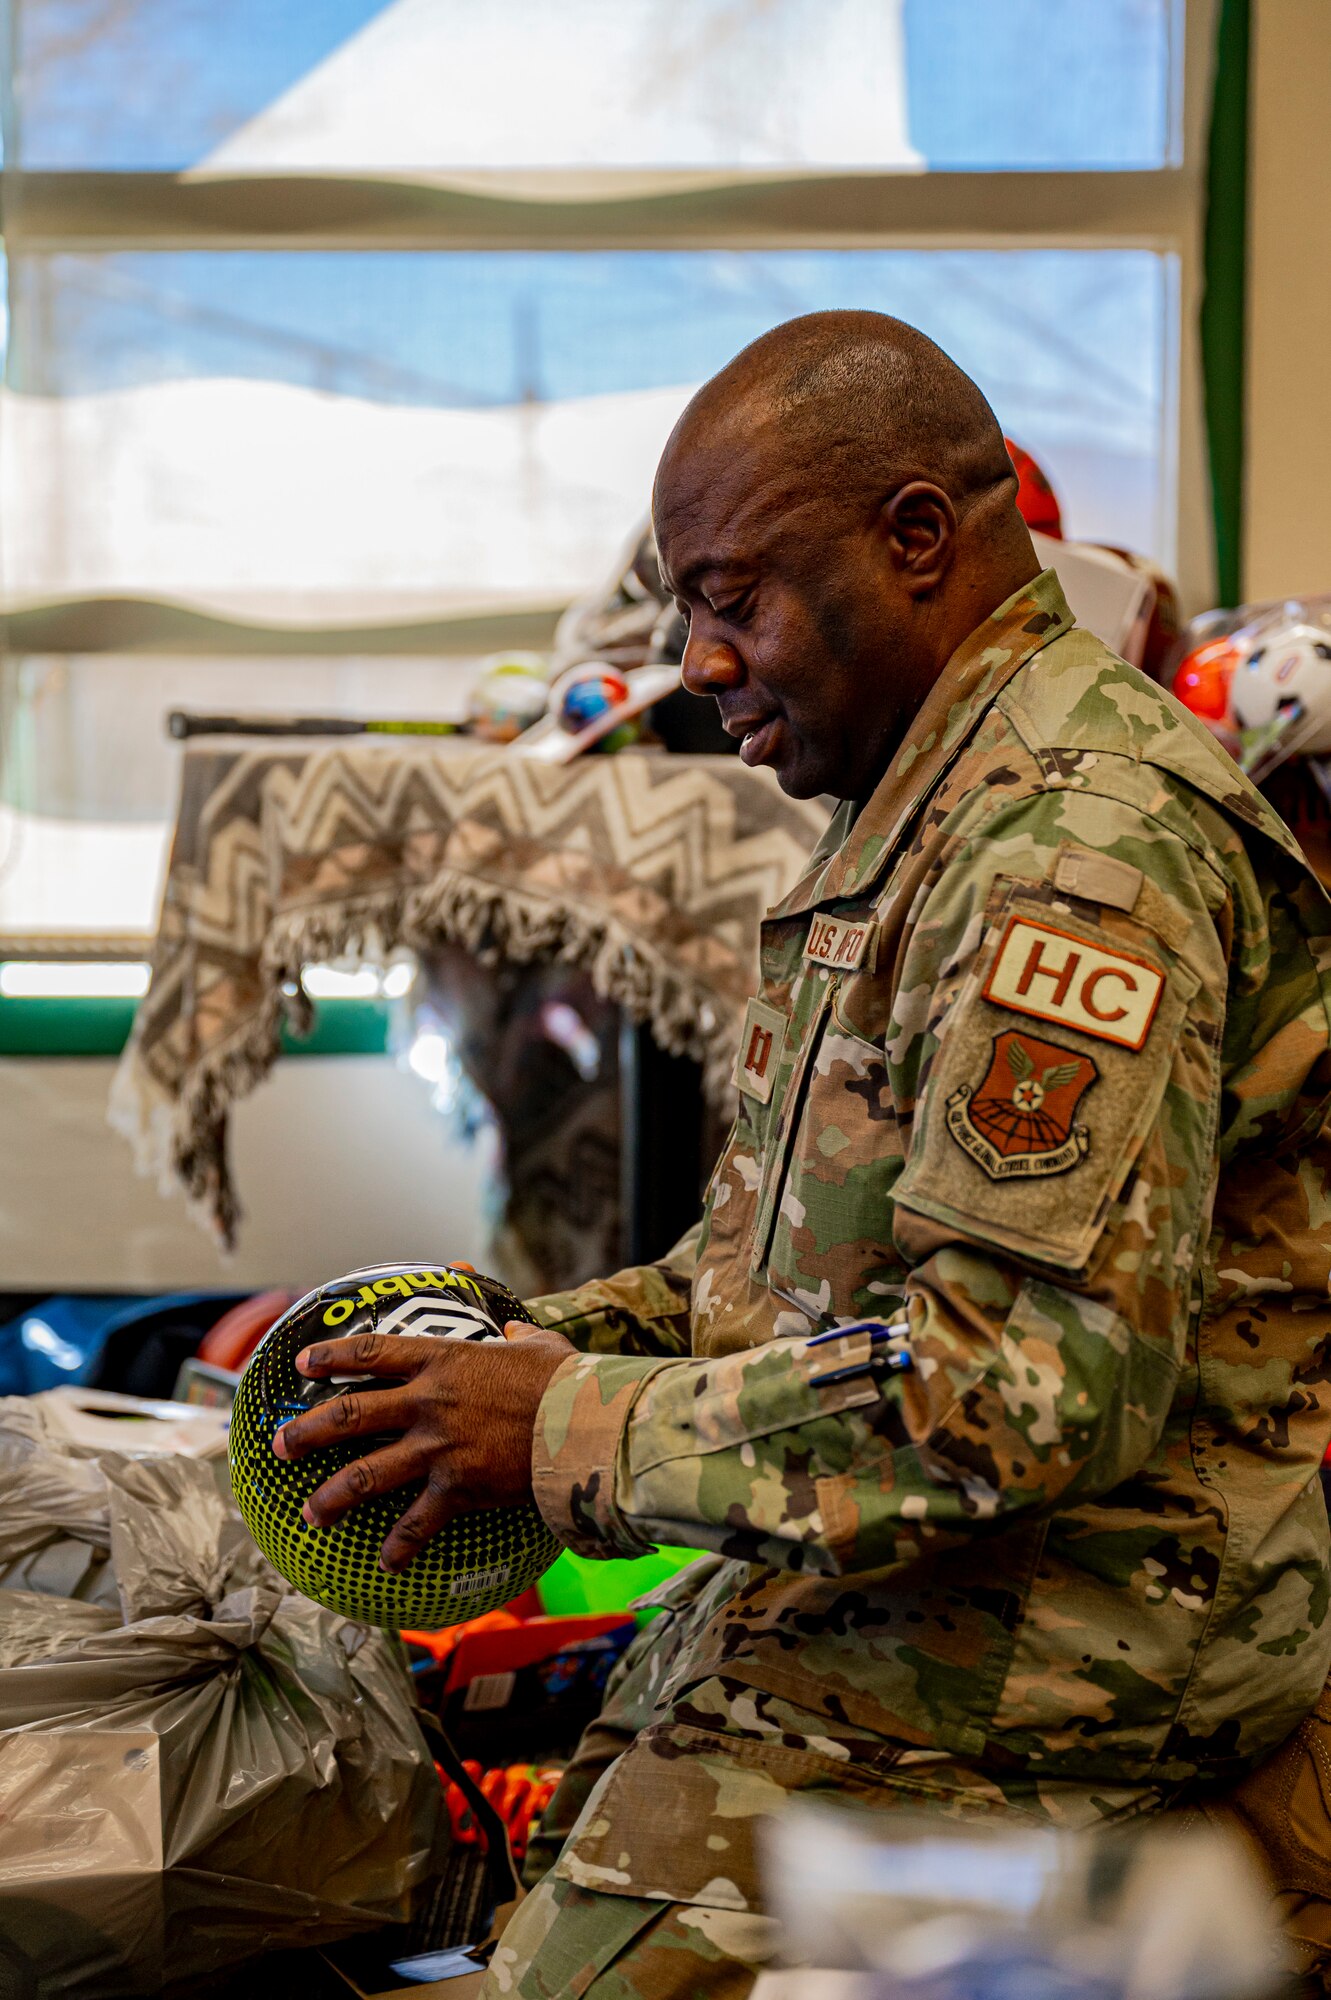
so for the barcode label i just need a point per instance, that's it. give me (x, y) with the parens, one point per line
(479, 1579)
(489, 1691)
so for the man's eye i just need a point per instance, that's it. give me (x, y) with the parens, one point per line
(736, 610)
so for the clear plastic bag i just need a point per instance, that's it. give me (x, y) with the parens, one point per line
(195, 1764)
(930, 1909)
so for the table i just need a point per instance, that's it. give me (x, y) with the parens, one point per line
(648, 871)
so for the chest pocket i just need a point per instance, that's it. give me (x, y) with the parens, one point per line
(732, 1193)
(823, 1229)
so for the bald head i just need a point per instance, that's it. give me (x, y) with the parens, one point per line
(855, 403)
(834, 512)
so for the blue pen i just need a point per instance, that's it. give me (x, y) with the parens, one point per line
(877, 1329)
(882, 1334)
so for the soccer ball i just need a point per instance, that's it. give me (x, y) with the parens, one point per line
(587, 693)
(477, 1561)
(1287, 672)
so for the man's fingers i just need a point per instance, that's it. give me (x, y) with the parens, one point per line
(446, 1405)
(378, 1472)
(355, 1413)
(367, 1354)
(425, 1517)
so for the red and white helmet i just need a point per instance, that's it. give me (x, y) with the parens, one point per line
(1203, 677)
(1037, 502)
(1280, 693)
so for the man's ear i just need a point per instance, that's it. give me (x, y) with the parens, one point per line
(919, 527)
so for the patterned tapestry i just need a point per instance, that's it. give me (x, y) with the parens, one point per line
(648, 872)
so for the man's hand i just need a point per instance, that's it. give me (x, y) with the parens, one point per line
(466, 1412)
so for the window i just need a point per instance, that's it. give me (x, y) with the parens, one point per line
(365, 86)
(343, 336)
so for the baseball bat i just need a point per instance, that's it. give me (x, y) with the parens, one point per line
(183, 722)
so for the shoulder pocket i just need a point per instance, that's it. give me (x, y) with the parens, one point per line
(1051, 1065)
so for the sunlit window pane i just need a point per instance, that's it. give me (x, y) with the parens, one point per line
(89, 776)
(1041, 83)
(47, 979)
(389, 85)
(76, 878)
(364, 436)
(361, 430)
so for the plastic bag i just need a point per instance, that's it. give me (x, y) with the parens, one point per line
(195, 1764)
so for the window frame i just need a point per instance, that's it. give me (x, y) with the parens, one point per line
(1161, 210)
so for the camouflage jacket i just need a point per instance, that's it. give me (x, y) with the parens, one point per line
(1038, 1071)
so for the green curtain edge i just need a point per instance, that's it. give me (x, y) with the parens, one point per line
(1225, 252)
(98, 1026)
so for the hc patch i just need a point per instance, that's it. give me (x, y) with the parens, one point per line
(1057, 976)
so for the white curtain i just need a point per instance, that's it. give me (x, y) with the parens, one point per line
(214, 452)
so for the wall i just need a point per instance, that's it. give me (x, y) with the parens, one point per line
(1287, 504)
(340, 1161)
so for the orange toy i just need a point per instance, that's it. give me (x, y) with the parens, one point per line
(503, 1641)
(519, 1794)
(230, 1343)
(1203, 679)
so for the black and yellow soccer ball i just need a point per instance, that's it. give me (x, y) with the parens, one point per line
(477, 1561)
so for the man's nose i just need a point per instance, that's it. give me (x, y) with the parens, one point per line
(710, 665)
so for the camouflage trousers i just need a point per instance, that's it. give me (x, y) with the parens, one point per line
(571, 1940)
(565, 1942)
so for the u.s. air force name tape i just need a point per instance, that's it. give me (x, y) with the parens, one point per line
(840, 943)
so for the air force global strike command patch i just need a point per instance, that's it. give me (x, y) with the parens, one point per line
(1020, 1120)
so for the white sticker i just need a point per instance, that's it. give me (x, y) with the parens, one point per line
(839, 942)
(489, 1691)
(479, 1579)
(1056, 976)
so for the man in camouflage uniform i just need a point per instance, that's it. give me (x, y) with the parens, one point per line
(992, 1380)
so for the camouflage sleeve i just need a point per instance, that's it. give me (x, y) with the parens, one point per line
(643, 1310)
(1047, 1310)
(631, 1451)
